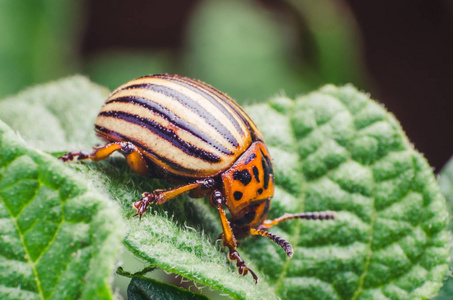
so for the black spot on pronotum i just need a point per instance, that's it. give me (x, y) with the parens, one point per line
(237, 196)
(256, 173)
(243, 176)
(260, 191)
(250, 158)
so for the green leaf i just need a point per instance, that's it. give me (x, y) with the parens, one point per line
(56, 116)
(142, 288)
(178, 236)
(389, 239)
(446, 187)
(59, 239)
(332, 149)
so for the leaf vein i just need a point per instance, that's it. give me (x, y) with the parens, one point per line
(21, 237)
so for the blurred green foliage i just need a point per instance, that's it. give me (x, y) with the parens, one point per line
(241, 47)
(242, 51)
(112, 69)
(38, 41)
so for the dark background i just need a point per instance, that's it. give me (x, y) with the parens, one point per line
(398, 51)
(407, 45)
(408, 50)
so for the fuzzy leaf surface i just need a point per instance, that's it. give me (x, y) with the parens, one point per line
(389, 239)
(58, 238)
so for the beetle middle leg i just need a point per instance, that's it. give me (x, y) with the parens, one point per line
(276, 239)
(228, 237)
(162, 196)
(262, 229)
(134, 158)
(321, 215)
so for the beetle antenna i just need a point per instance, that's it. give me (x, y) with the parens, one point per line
(317, 215)
(276, 239)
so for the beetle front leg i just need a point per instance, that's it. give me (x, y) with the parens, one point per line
(228, 237)
(276, 239)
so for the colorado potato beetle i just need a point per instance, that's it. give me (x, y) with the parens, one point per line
(186, 131)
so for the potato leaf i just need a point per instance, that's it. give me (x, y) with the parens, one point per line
(59, 238)
(334, 149)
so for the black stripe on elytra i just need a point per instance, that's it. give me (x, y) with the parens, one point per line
(165, 133)
(256, 173)
(250, 158)
(153, 75)
(172, 118)
(168, 162)
(243, 176)
(234, 106)
(190, 104)
(191, 84)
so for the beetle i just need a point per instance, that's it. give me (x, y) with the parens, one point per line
(188, 132)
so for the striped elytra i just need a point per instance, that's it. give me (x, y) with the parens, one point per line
(185, 130)
(182, 125)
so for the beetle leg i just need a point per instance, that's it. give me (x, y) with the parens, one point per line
(321, 215)
(134, 158)
(228, 237)
(162, 196)
(276, 239)
(262, 229)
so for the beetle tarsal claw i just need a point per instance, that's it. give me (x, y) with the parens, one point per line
(141, 205)
(242, 268)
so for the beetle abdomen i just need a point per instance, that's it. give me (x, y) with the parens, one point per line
(182, 125)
